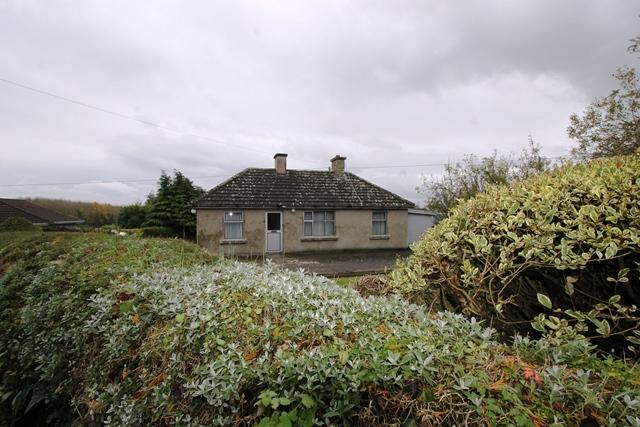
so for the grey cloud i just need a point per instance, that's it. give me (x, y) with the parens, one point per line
(383, 83)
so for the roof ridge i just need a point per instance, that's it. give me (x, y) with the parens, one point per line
(290, 170)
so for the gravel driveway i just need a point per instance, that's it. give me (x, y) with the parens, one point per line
(343, 263)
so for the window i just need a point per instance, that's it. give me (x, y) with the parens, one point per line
(319, 223)
(379, 223)
(233, 222)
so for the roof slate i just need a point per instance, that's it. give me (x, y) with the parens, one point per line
(264, 188)
(11, 208)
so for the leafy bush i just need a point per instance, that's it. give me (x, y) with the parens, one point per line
(572, 234)
(158, 232)
(46, 280)
(138, 232)
(17, 224)
(234, 343)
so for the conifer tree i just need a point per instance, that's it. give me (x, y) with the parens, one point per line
(171, 205)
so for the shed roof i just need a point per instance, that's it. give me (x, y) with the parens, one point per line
(12, 208)
(264, 188)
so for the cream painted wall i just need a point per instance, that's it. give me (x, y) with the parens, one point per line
(210, 229)
(353, 231)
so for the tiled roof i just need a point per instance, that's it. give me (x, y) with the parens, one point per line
(264, 188)
(11, 208)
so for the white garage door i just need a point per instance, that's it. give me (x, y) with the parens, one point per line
(419, 221)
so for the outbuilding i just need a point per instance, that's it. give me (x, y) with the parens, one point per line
(36, 214)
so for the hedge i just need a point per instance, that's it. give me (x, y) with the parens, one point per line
(17, 224)
(100, 330)
(158, 232)
(568, 239)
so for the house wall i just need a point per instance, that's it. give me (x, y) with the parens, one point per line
(210, 231)
(353, 231)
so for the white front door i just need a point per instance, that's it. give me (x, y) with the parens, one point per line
(273, 227)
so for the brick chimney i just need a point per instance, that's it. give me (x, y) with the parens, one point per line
(337, 164)
(281, 162)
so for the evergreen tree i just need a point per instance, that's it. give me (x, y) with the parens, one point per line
(185, 192)
(161, 204)
(132, 216)
(171, 205)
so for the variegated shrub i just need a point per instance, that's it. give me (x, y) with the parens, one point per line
(571, 235)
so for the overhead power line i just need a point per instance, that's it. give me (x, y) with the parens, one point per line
(111, 181)
(127, 181)
(169, 129)
(398, 166)
(129, 117)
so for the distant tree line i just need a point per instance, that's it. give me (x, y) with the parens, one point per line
(168, 210)
(93, 213)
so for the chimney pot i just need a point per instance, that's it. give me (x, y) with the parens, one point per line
(281, 162)
(337, 164)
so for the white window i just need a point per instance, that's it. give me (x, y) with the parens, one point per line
(233, 224)
(319, 223)
(379, 227)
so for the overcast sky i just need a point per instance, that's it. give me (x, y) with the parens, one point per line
(231, 83)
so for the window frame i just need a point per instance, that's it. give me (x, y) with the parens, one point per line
(313, 221)
(384, 221)
(225, 222)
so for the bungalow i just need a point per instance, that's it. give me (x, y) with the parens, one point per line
(37, 215)
(279, 210)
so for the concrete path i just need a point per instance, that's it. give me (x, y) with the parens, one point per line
(343, 263)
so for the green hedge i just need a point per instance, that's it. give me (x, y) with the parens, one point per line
(572, 234)
(158, 232)
(84, 338)
(17, 224)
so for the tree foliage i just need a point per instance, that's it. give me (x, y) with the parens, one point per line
(93, 213)
(132, 216)
(610, 125)
(572, 234)
(634, 47)
(463, 180)
(171, 205)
